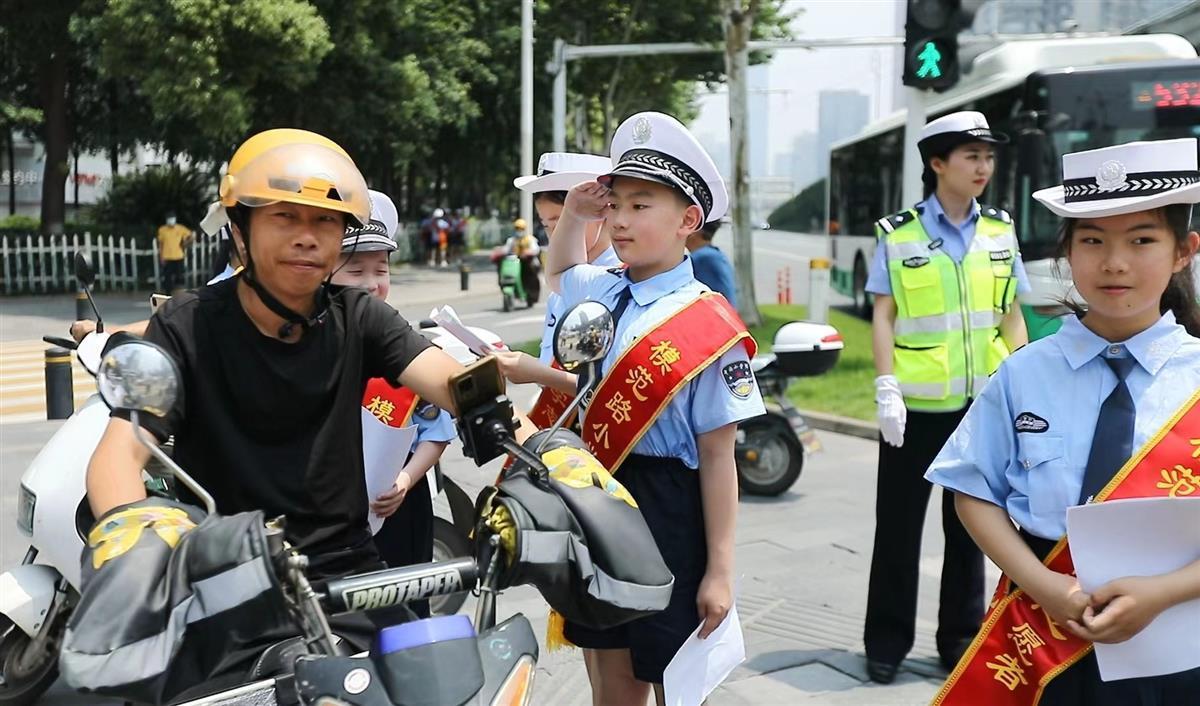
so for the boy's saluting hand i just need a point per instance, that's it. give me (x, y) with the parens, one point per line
(588, 201)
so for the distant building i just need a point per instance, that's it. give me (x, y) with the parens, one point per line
(88, 178)
(841, 114)
(1030, 16)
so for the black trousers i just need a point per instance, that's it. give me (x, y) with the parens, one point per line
(172, 275)
(902, 495)
(406, 537)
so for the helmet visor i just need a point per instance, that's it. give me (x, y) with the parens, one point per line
(305, 174)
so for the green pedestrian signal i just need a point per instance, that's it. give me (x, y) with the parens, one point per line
(931, 44)
(930, 58)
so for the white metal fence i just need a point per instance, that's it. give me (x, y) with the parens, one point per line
(32, 264)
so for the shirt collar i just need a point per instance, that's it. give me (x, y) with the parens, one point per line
(1151, 348)
(935, 209)
(651, 290)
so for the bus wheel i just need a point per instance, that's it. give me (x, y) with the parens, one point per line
(862, 301)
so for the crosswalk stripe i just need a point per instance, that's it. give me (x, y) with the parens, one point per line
(23, 382)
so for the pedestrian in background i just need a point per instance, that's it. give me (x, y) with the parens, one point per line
(945, 277)
(173, 239)
(711, 266)
(1059, 425)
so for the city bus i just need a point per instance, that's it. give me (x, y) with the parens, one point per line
(1051, 97)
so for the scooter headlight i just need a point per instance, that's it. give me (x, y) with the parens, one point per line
(517, 689)
(26, 500)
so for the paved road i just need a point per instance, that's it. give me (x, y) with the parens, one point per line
(802, 558)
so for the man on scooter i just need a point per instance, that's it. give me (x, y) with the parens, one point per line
(273, 362)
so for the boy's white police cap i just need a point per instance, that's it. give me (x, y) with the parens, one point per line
(380, 232)
(561, 171)
(1136, 176)
(657, 147)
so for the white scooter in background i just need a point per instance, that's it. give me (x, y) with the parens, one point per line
(36, 598)
(771, 447)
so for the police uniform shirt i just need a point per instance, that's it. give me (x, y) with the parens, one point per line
(433, 424)
(1025, 442)
(706, 402)
(555, 308)
(955, 241)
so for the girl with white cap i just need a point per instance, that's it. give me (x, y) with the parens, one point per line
(406, 535)
(1106, 408)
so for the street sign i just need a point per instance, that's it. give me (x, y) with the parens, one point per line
(931, 44)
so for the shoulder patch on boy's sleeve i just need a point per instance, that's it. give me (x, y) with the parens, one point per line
(997, 214)
(427, 410)
(739, 378)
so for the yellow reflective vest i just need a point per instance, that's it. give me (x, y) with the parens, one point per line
(947, 331)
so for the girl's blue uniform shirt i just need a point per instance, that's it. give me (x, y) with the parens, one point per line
(1025, 442)
(440, 428)
(555, 307)
(706, 403)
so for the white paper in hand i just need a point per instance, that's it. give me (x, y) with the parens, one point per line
(700, 666)
(385, 451)
(448, 319)
(1141, 537)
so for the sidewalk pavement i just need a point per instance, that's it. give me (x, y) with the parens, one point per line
(415, 288)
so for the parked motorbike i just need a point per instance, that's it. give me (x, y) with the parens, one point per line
(36, 598)
(771, 447)
(439, 660)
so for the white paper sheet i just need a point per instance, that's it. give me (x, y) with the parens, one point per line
(701, 665)
(385, 449)
(1141, 537)
(448, 319)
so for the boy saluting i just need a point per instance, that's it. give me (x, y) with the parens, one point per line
(674, 386)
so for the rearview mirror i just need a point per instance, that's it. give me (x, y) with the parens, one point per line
(584, 335)
(138, 376)
(84, 272)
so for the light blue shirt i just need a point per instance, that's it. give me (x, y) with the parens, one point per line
(555, 308)
(705, 403)
(1054, 387)
(955, 241)
(440, 428)
(223, 274)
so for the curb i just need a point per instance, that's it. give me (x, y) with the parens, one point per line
(841, 425)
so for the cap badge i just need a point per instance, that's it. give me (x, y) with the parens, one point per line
(641, 131)
(1110, 176)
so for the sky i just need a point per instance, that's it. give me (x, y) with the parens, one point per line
(794, 78)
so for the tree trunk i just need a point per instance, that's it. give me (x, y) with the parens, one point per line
(12, 167)
(52, 80)
(114, 151)
(738, 20)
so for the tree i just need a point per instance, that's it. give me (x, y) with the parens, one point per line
(202, 67)
(802, 211)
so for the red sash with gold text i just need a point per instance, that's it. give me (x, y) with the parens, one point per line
(550, 405)
(1019, 649)
(654, 369)
(393, 406)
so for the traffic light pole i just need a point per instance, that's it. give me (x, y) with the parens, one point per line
(914, 120)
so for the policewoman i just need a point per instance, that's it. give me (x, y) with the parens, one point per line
(405, 536)
(675, 383)
(945, 276)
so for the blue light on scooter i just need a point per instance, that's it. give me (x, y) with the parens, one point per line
(424, 632)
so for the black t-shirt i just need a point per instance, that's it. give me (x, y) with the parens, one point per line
(273, 426)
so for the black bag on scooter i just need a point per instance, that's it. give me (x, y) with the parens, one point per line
(580, 538)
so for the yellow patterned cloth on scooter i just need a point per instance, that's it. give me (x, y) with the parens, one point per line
(579, 469)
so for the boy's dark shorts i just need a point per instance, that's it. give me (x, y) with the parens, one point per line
(668, 494)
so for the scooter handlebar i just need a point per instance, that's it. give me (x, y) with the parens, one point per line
(391, 587)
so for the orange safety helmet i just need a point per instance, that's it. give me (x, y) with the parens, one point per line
(295, 166)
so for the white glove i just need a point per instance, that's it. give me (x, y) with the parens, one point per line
(892, 412)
